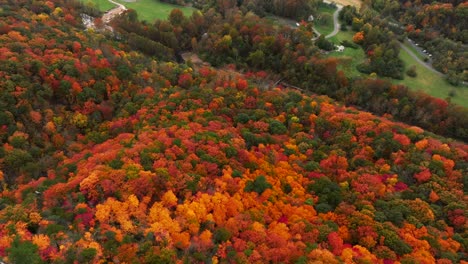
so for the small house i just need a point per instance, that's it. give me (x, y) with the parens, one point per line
(339, 48)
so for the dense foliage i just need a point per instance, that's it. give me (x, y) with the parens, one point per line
(378, 41)
(295, 9)
(109, 156)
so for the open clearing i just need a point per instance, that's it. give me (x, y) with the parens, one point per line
(431, 83)
(150, 10)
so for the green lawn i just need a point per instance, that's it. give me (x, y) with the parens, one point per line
(151, 10)
(324, 8)
(327, 28)
(349, 58)
(102, 5)
(431, 83)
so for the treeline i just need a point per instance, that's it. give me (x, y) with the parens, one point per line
(433, 114)
(172, 36)
(294, 9)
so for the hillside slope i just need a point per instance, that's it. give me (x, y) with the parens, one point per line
(110, 156)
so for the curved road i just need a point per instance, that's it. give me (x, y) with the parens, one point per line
(336, 24)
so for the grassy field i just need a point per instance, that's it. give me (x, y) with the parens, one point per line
(431, 83)
(151, 10)
(102, 5)
(328, 27)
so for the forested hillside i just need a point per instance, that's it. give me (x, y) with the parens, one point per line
(111, 155)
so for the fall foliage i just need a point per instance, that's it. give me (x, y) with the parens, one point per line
(108, 155)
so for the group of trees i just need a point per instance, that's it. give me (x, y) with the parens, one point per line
(294, 9)
(378, 41)
(382, 49)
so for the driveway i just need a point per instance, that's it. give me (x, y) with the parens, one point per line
(336, 24)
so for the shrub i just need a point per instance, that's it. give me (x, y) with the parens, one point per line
(324, 44)
(411, 72)
(349, 44)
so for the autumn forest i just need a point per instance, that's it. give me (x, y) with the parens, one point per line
(115, 148)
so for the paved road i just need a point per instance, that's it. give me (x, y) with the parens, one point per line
(422, 63)
(336, 24)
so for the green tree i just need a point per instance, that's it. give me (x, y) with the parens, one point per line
(256, 58)
(23, 252)
(259, 185)
(277, 128)
(329, 194)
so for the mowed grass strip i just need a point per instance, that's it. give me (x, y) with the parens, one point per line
(413, 49)
(101, 5)
(150, 10)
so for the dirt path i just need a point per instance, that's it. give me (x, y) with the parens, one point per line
(108, 16)
(88, 21)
